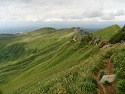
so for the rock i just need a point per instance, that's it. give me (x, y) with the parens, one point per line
(77, 29)
(107, 46)
(122, 41)
(74, 38)
(96, 40)
(108, 78)
(90, 35)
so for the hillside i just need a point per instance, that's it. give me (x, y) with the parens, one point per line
(118, 37)
(107, 32)
(50, 61)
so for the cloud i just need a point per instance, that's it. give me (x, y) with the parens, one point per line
(107, 17)
(117, 13)
(61, 10)
(92, 13)
(53, 20)
(112, 15)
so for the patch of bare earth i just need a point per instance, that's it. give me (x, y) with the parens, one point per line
(103, 89)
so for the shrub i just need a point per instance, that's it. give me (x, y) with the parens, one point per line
(109, 53)
(121, 87)
(101, 73)
(118, 37)
(68, 82)
(89, 79)
(107, 83)
(97, 66)
(47, 87)
(0, 91)
(88, 87)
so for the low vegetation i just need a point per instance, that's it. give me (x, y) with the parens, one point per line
(50, 61)
(107, 32)
(119, 63)
(118, 37)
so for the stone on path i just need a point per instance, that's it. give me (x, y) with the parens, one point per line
(109, 78)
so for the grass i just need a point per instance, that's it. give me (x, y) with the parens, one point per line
(119, 62)
(107, 32)
(46, 61)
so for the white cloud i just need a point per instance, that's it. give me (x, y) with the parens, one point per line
(53, 20)
(61, 10)
(93, 13)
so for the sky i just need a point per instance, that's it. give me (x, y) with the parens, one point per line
(61, 13)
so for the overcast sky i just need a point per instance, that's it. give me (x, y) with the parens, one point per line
(75, 11)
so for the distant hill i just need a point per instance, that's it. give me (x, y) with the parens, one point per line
(90, 29)
(7, 35)
(107, 32)
(14, 30)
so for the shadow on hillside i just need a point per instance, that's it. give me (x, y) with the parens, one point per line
(12, 52)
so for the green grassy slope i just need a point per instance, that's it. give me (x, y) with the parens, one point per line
(107, 32)
(29, 50)
(47, 61)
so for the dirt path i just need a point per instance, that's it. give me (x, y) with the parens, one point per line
(109, 67)
(100, 86)
(103, 89)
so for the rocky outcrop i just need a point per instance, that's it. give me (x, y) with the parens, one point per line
(97, 40)
(107, 46)
(74, 38)
(77, 29)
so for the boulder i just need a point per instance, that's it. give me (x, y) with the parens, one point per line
(74, 38)
(107, 46)
(108, 78)
(122, 41)
(96, 40)
(77, 29)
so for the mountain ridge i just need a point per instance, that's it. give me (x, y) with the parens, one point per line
(48, 61)
(107, 32)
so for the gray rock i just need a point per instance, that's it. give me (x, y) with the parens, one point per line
(96, 40)
(107, 46)
(74, 38)
(77, 29)
(122, 41)
(109, 78)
